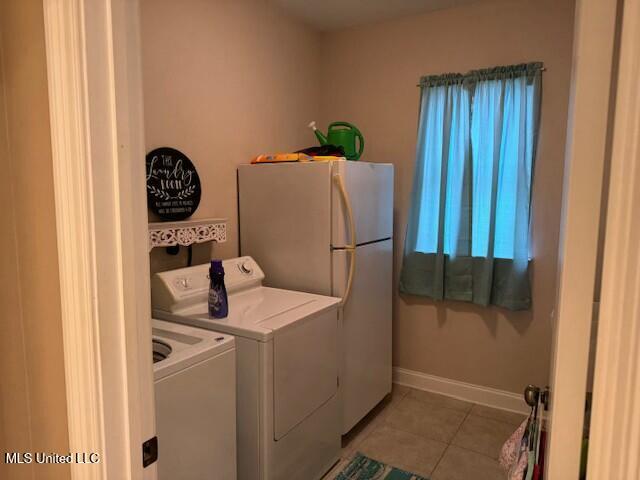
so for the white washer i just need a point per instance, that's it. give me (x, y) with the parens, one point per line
(194, 374)
(287, 366)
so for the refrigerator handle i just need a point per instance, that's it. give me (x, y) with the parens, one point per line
(351, 248)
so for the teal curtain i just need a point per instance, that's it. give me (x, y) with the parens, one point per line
(468, 228)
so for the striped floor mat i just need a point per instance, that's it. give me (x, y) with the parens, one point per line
(365, 468)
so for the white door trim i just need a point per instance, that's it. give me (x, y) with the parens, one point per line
(74, 222)
(615, 421)
(97, 141)
(594, 35)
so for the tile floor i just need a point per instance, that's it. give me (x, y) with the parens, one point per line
(432, 435)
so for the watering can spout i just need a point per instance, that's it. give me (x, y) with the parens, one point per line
(319, 135)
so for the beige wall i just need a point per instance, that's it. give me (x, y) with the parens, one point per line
(379, 67)
(33, 415)
(223, 82)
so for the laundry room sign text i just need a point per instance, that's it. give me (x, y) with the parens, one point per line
(173, 185)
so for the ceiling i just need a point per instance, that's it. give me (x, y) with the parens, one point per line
(334, 14)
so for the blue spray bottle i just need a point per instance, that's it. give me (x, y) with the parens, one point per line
(218, 302)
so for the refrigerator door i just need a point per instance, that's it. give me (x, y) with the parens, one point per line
(370, 189)
(365, 370)
(285, 223)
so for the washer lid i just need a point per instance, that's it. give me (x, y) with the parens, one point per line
(256, 313)
(185, 346)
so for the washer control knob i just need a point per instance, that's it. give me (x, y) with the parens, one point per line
(246, 268)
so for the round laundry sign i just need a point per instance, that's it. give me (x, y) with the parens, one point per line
(173, 185)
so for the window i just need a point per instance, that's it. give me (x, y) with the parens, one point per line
(476, 146)
(471, 197)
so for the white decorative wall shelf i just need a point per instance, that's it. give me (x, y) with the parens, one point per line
(187, 232)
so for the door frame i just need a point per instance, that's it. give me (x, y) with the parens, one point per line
(588, 134)
(615, 418)
(95, 101)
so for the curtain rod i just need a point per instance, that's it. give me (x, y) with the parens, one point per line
(543, 69)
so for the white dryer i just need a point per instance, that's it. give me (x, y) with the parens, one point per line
(287, 366)
(195, 374)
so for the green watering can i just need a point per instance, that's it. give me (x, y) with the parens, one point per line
(342, 134)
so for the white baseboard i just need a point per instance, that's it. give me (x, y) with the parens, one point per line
(491, 397)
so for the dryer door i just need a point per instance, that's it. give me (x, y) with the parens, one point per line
(305, 369)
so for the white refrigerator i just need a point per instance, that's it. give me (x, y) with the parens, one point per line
(313, 226)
